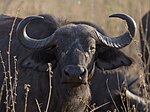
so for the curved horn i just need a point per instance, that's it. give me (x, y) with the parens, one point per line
(28, 41)
(124, 39)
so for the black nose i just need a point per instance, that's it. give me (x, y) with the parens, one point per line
(76, 72)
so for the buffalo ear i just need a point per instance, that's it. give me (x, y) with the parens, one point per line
(39, 60)
(111, 58)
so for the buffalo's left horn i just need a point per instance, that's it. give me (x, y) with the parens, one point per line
(122, 40)
(30, 42)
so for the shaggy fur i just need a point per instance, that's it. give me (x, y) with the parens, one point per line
(77, 49)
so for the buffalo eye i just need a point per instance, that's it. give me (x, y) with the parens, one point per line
(58, 49)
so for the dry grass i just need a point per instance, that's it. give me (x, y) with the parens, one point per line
(96, 11)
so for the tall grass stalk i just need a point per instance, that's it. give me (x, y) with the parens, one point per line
(27, 89)
(38, 105)
(9, 65)
(96, 108)
(50, 85)
(111, 95)
(4, 84)
(15, 80)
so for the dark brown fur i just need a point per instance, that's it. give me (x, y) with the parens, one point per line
(73, 48)
(145, 42)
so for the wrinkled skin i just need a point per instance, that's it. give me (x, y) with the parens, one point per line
(74, 54)
(76, 49)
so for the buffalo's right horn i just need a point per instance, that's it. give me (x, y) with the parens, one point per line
(122, 40)
(28, 41)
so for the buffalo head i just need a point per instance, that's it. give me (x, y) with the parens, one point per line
(78, 49)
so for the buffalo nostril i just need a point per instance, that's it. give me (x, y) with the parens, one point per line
(82, 74)
(66, 72)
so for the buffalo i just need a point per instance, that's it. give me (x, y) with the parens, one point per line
(89, 72)
(145, 40)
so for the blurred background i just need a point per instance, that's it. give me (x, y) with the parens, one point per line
(96, 11)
